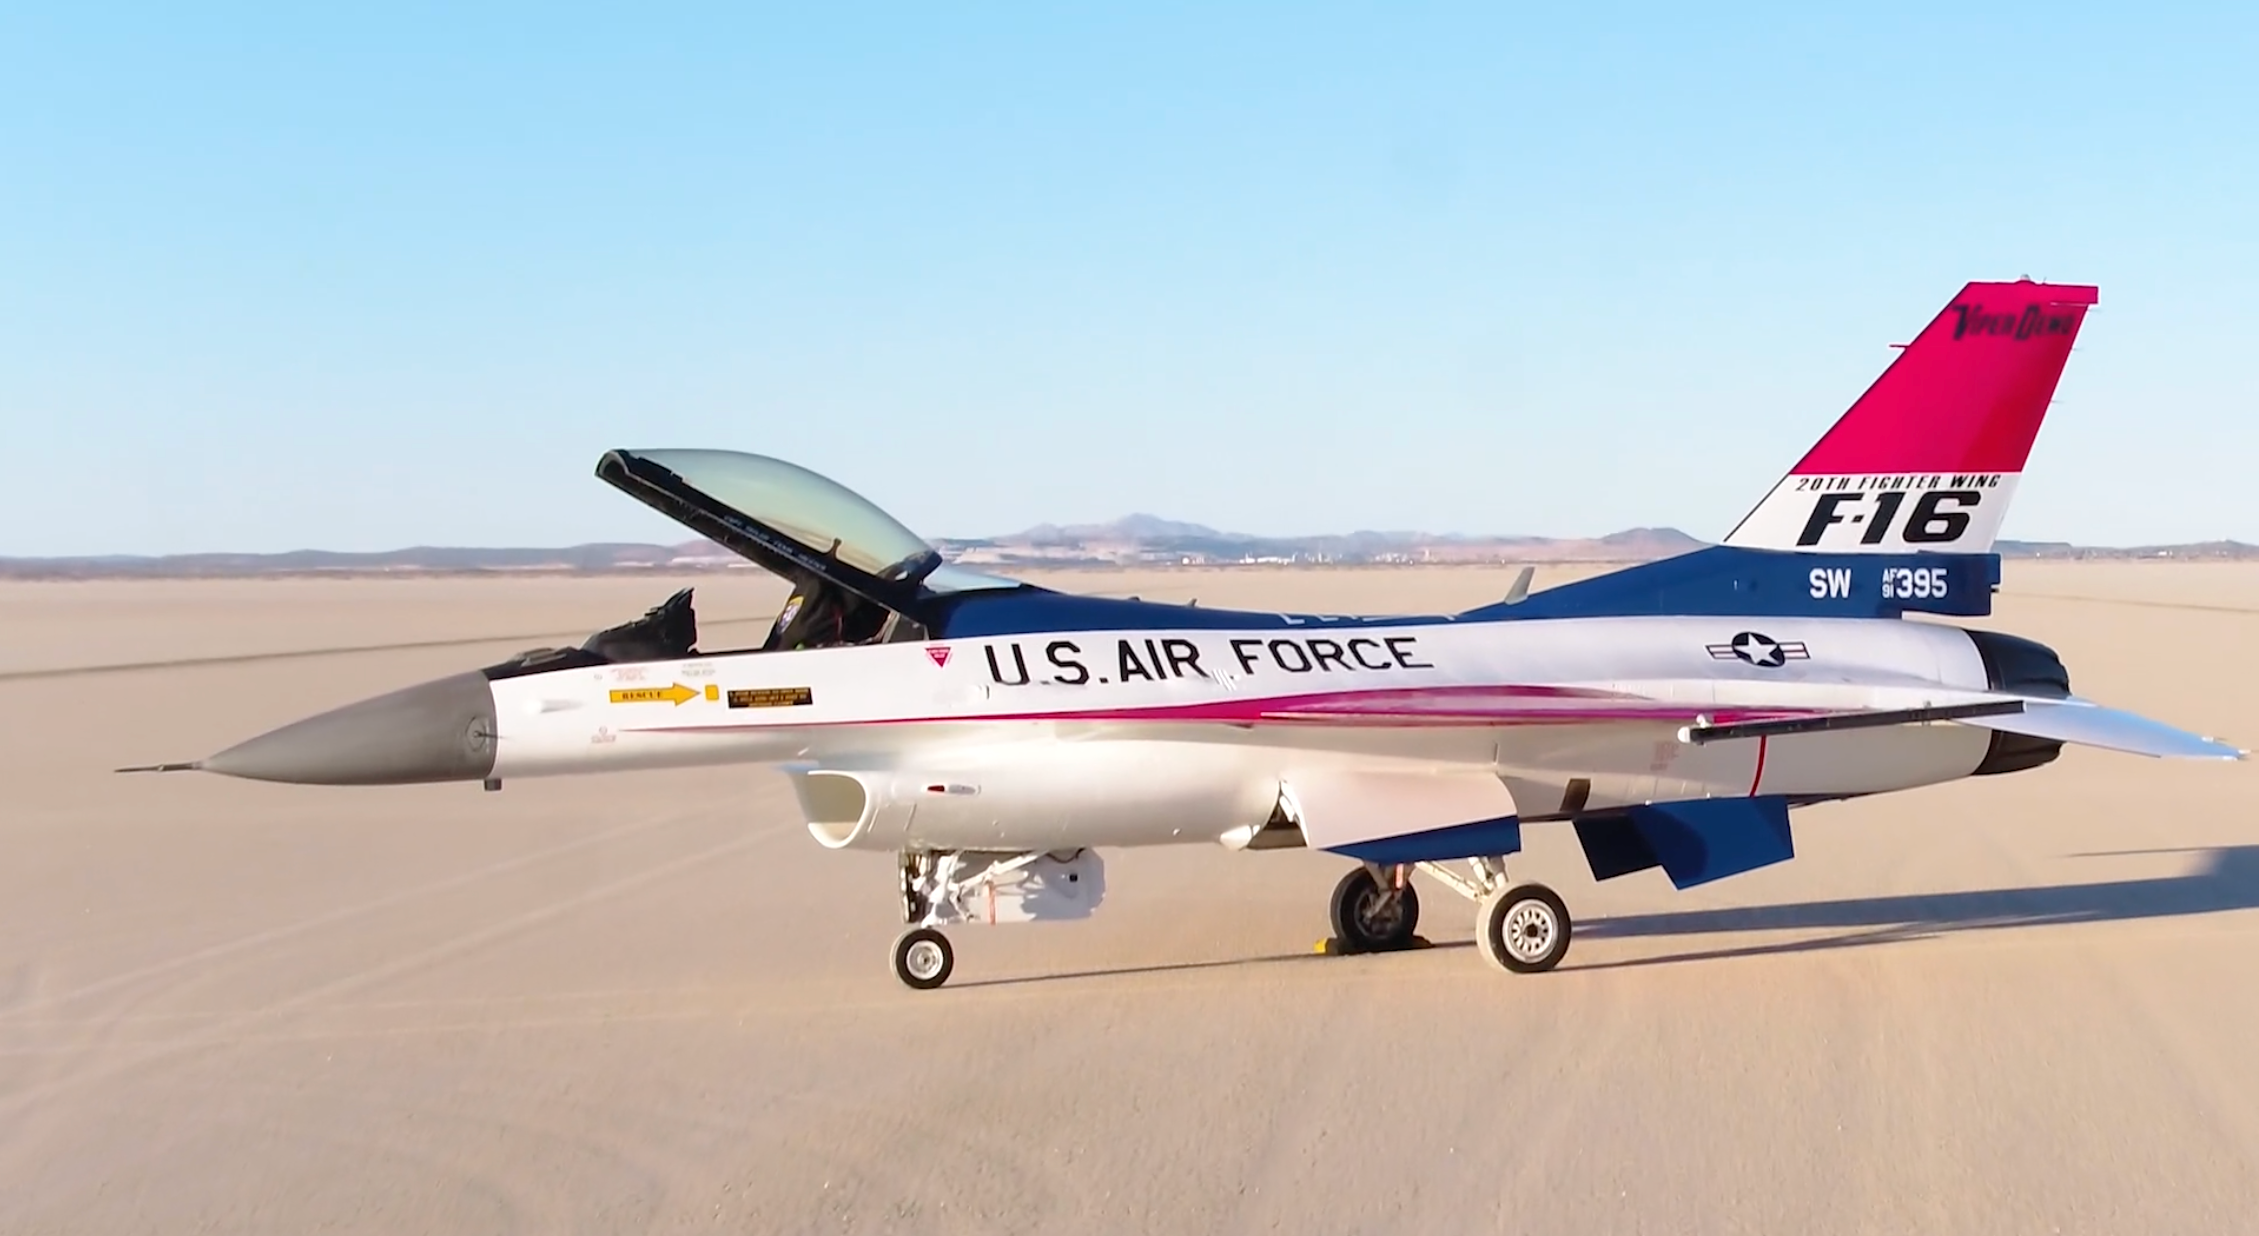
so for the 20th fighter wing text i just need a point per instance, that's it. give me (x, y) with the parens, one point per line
(1067, 662)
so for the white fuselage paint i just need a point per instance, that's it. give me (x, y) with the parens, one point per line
(1056, 740)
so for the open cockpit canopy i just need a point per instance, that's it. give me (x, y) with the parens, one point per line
(838, 549)
(753, 502)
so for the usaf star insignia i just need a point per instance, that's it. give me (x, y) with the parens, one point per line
(1762, 651)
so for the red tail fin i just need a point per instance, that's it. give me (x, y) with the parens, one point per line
(1928, 458)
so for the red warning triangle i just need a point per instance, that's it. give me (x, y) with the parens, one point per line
(939, 653)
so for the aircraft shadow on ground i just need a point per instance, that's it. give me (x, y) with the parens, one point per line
(2226, 879)
(1169, 967)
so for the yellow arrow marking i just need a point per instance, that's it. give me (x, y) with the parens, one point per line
(677, 695)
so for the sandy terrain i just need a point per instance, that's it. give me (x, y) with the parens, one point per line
(2027, 1004)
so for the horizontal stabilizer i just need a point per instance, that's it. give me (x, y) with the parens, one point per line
(2076, 720)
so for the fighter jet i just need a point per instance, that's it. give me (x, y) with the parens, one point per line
(996, 735)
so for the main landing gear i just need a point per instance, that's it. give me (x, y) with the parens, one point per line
(1523, 929)
(1520, 928)
(1375, 910)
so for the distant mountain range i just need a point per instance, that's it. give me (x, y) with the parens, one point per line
(1136, 540)
(1149, 540)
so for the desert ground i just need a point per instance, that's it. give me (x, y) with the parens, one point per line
(2024, 1004)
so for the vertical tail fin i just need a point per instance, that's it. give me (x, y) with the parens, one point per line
(1928, 458)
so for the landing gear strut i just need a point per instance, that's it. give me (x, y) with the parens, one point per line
(942, 887)
(1520, 928)
(931, 895)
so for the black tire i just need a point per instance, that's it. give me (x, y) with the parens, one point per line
(923, 958)
(1524, 929)
(1366, 918)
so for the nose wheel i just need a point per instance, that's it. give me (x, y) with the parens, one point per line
(923, 958)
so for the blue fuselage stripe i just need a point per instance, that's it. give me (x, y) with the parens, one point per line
(1720, 581)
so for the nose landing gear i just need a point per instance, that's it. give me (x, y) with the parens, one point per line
(945, 887)
(933, 893)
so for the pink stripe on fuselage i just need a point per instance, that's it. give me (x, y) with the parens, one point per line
(1430, 706)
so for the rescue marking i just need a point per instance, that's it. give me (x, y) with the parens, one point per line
(676, 694)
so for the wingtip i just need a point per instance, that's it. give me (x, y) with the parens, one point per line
(2227, 750)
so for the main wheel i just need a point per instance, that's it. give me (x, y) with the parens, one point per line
(923, 958)
(1523, 929)
(1370, 918)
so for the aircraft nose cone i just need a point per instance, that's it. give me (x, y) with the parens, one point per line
(438, 731)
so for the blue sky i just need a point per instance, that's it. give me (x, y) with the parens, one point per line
(358, 277)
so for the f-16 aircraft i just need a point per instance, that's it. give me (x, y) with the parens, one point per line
(996, 735)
